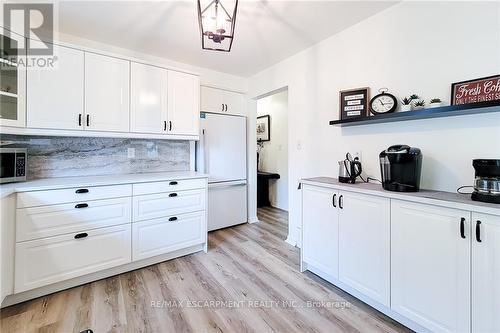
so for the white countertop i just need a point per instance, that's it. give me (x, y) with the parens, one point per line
(87, 181)
(439, 198)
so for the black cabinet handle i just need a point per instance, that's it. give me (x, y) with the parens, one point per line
(88, 120)
(82, 190)
(173, 183)
(169, 125)
(222, 107)
(226, 107)
(341, 202)
(462, 227)
(79, 119)
(164, 125)
(478, 231)
(333, 200)
(173, 219)
(81, 235)
(83, 205)
(172, 195)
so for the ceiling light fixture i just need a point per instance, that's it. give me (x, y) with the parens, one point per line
(217, 25)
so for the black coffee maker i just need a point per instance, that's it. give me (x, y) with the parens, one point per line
(401, 166)
(487, 180)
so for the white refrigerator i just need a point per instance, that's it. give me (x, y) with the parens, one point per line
(221, 153)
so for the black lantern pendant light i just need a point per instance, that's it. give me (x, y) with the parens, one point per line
(217, 25)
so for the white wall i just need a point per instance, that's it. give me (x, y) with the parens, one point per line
(419, 47)
(274, 155)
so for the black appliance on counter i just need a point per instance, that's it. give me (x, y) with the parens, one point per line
(401, 167)
(487, 181)
(349, 169)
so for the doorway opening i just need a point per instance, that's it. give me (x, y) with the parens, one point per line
(272, 161)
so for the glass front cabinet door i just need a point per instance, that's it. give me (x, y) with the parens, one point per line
(12, 79)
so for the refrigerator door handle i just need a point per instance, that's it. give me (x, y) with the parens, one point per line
(205, 150)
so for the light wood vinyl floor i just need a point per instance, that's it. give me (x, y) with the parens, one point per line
(248, 282)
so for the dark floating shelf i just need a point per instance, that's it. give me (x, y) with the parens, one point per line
(442, 111)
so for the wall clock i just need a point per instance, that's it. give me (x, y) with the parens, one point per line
(383, 102)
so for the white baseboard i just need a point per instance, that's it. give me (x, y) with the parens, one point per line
(290, 240)
(253, 219)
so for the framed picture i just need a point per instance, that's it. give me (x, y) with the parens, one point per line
(485, 89)
(263, 128)
(353, 103)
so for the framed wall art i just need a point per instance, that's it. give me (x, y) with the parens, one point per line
(264, 128)
(353, 103)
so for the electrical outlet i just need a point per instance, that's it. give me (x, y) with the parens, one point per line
(131, 152)
(357, 154)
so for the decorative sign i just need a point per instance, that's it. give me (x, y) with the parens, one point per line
(475, 91)
(354, 103)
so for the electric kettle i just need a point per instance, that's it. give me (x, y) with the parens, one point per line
(349, 169)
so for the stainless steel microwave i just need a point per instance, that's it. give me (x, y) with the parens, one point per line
(13, 164)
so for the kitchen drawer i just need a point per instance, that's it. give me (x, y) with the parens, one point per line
(151, 206)
(168, 186)
(76, 194)
(46, 221)
(159, 236)
(42, 262)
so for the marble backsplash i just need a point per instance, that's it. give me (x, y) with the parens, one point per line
(50, 157)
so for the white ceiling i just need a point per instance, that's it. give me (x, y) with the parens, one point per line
(266, 31)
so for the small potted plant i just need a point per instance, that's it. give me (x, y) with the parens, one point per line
(435, 102)
(406, 104)
(414, 97)
(419, 104)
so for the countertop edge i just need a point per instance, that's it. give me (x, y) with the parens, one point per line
(474, 206)
(104, 180)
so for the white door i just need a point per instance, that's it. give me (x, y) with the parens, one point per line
(211, 100)
(234, 103)
(485, 273)
(106, 93)
(183, 103)
(148, 99)
(12, 81)
(227, 204)
(430, 253)
(222, 147)
(320, 229)
(364, 244)
(55, 98)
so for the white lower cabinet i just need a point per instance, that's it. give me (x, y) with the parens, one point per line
(46, 221)
(485, 273)
(158, 205)
(431, 265)
(320, 229)
(155, 237)
(49, 260)
(364, 244)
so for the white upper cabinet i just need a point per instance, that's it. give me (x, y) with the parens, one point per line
(485, 273)
(431, 266)
(234, 103)
(320, 225)
(12, 82)
(55, 98)
(148, 99)
(211, 100)
(183, 103)
(106, 93)
(222, 101)
(364, 244)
